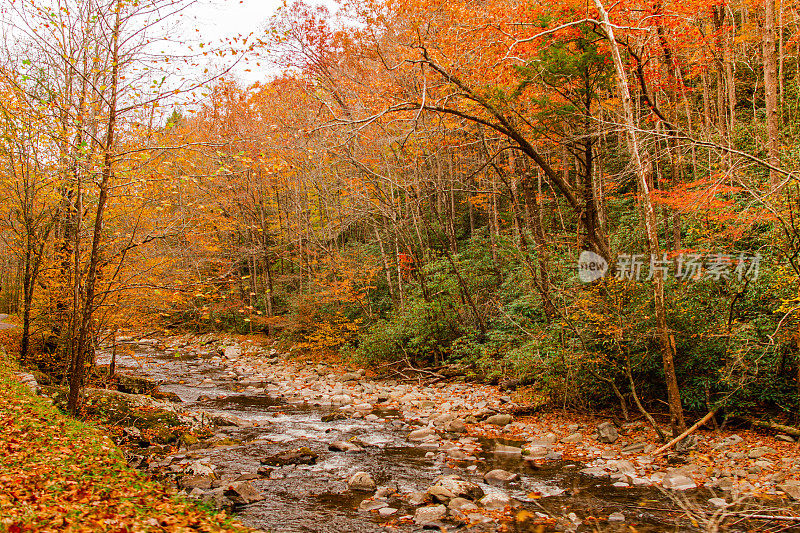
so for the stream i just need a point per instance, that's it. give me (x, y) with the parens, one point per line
(316, 498)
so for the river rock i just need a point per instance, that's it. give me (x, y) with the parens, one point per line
(791, 488)
(330, 417)
(759, 451)
(200, 469)
(428, 515)
(616, 517)
(455, 426)
(361, 481)
(459, 487)
(227, 419)
(461, 504)
(507, 450)
(419, 435)
(536, 451)
(195, 482)
(731, 440)
(386, 490)
(242, 493)
(677, 481)
(437, 493)
(135, 384)
(500, 475)
(457, 455)
(635, 447)
(344, 446)
(607, 433)
(573, 438)
(217, 499)
(622, 466)
(300, 456)
(387, 511)
(232, 352)
(168, 396)
(718, 502)
(594, 471)
(417, 498)
(372, 505)
(499, 419)
(495, 500)
(341, 399)
(441, 420)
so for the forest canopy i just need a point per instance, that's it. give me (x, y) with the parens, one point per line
(413, 183)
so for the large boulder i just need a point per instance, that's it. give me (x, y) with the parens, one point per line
(195, 482)
(134, 384)
(29, 380)
(607, 433)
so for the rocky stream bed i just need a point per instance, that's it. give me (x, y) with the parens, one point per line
(304, 447)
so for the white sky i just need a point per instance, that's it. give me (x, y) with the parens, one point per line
(221, 19)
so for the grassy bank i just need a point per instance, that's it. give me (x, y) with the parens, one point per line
(59, 474)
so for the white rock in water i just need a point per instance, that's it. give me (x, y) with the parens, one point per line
(495, 500)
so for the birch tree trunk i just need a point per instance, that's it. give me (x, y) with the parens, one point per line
(641, 163)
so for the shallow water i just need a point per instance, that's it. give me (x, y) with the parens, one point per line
(314, 498)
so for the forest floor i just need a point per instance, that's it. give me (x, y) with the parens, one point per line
(59, 474)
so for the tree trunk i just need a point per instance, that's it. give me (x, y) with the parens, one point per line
(84, 341)
(771, 91)
(641, 165)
